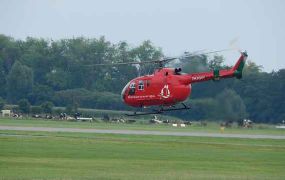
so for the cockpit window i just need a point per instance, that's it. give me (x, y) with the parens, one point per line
(141, 85)
(132, 90)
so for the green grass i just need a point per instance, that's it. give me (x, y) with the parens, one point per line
(68, 156)
(211, 127)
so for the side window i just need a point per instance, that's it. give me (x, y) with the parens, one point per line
(141, 85)
(147, 83)
(132, 90)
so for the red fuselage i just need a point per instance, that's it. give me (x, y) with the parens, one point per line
(164, 87)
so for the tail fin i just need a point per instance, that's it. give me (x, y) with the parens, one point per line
(237, 69)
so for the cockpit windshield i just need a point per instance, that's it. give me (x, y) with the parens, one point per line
(132, 90)
(124, 90)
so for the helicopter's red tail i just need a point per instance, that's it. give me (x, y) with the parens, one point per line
(236, 71)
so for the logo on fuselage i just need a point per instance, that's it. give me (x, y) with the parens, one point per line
(165, 93)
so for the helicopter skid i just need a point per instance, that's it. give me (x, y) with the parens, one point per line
(160, 111)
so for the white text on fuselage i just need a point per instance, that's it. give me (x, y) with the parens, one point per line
(142, 97)
(197, 78)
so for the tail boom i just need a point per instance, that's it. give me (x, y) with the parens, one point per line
(236, 71)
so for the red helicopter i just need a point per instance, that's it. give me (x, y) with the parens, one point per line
(167, 87)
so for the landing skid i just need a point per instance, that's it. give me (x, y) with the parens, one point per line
(160, 111)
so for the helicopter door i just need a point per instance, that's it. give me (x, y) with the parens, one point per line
(165, 77)
(132, 90)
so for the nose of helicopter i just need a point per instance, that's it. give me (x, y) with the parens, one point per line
(123, 93)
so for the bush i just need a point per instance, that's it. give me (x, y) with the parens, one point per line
(47, 107)
(71, 108)
(88, 99)
(36, 110)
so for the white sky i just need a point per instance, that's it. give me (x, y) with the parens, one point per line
(175, 26)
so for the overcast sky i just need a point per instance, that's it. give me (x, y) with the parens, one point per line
(175, 26)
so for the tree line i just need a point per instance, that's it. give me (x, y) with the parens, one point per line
(44, 72)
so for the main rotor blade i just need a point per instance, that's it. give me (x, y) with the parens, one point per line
(161, 61)
(121, 63)
(205, 53)
(126, 63)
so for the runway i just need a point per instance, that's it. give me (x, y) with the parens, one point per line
(142, 132)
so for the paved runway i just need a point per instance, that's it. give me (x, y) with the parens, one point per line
(142, 132)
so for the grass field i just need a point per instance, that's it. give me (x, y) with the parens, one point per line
(75, 156)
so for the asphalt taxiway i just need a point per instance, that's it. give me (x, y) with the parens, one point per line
(142, 132)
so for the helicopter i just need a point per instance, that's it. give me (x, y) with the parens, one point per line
(168, 87)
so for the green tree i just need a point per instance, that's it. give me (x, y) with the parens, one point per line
(216, 62)
(229, 106)
(194, 64)
(24, 106)
(146, 52)
(2, 103)
(276, 97)
(20, 82)
(36, 54)
(40, 94)
(201, 109)
(58, 79)
(9, 52)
